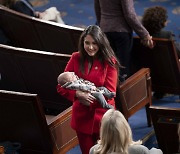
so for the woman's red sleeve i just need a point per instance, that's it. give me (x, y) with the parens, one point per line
(111, 78)
(67, 93)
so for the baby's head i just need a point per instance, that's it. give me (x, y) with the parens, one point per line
(66, 77)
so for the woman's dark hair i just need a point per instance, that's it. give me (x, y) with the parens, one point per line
(154, 19)
(105, 53)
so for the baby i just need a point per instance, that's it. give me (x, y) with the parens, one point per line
(71, 81)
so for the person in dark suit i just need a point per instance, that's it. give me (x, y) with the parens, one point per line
(118, 19)
(154, 20)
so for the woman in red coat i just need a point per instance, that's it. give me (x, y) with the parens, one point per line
(97, 63)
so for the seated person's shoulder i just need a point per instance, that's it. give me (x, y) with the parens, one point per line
(164, 34)
(168, 34)
(155, 151)
(141, 149)
(138, 149)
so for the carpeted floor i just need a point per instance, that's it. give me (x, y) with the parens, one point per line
(80, 13)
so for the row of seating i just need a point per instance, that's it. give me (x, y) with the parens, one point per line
(163, 62)
(32, 71)
(165, 74)
(29, 71)
(35, 72)
(23, 120)
(32, 33)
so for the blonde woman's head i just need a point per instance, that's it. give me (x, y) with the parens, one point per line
(115, 133)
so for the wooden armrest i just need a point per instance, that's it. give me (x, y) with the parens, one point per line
(166, 122)
(135, 93)
(63, 136)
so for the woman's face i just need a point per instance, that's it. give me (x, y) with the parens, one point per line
(90, 46)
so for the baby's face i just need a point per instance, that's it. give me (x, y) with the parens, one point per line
(72, 76)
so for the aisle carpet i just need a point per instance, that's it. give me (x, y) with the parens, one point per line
(80, 13)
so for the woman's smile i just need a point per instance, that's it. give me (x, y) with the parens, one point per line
(90, 45)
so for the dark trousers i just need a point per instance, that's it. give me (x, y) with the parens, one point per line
(121, 43)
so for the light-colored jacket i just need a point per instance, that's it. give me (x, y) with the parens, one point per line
(133, 149)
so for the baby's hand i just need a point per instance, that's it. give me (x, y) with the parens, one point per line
(93, 88)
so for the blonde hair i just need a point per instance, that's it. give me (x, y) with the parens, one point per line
(115, 134)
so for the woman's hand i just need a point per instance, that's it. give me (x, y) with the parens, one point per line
(148, 42)
(85, 97)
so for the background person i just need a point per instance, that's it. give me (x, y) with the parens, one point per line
(95, 61)
(116, 137)
(118, 19)
(24, 6)
(155, 20)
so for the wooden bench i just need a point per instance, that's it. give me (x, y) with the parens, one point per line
(23, 120)
(166, 122)
(134, 94)
(33, 33)
(33, 71)
(163, 63)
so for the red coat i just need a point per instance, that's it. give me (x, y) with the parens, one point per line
(84, 118)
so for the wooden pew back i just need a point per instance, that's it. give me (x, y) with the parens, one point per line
(33, 33)
(32, 71)
(19, 28)
(23, 120)
(135, 93)
(163, 63)
(165, 121)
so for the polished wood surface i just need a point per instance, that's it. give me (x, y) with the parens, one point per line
(163, 63)
(32, 71)
(135, 93)
(166, 122)
(33, 33)
(23, 120)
